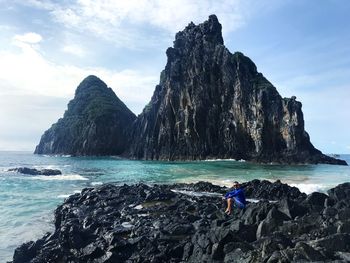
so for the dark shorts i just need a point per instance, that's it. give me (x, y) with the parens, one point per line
(239, 203)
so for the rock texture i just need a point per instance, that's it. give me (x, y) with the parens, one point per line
(96, 123)
(33, 171)
(187, 223)
(214, 104)
(209, 104)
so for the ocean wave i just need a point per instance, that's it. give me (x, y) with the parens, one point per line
(63, 196)
(96, 183)
(310, 188)
(224, 160)
(67, 177)
(49, 166)
(57, 155)
(220, 160)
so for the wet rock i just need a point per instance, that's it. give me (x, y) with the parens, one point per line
(140, 223)
(316, 200)
(340, 192)
(271, 191)
(33, 171)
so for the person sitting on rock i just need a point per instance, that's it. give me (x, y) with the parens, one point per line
(237, 195)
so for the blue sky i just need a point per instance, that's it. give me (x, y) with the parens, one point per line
(48, 47)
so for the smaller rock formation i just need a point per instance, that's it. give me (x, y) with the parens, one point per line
(33, 171)
(169, 223)
(95, 123)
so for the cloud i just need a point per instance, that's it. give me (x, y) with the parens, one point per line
(124, 22)
(40, 76)
(74, 50)
(30, 38)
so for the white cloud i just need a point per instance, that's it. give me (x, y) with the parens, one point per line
(74, 50)
(30, 38)
(29, 72)
(122, 21)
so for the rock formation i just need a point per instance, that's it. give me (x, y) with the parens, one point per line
(96, 123)
(33, 171)
(214, 104)
(171, 223)
(209, 104)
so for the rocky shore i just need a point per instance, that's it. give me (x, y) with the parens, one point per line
(187, 223)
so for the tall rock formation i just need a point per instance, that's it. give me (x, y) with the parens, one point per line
(214, 104)
(96, 123)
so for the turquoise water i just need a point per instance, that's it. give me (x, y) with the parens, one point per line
(27, 202)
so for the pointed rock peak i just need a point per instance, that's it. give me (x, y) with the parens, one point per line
(90, 81)
(208, 32)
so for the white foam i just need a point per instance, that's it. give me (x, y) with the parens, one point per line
(63, 177)
(50, 166)
(310, 188)
(96, 183)
(63, 196)
(220, 160)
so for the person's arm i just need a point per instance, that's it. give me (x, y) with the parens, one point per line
(231, 194)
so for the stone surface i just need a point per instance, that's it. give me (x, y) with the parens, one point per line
(211, 103)
(95, 123)
(33, 171)
(141, 223)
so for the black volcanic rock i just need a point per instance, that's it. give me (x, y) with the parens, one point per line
(141, 223)
(214, 104)
(95, 123)
(33, 171)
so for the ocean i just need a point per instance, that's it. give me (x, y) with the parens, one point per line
(27, 202)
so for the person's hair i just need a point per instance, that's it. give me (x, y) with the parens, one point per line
(235, 182)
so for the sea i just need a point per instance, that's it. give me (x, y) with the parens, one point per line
(27, 202)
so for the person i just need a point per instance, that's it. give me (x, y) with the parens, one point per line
(236, 195)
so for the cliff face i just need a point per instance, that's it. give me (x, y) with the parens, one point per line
(209, 104)
(214, 104)
(95, 123)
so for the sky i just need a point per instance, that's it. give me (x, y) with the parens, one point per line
(47, 47)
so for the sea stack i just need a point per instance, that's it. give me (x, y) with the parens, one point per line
(95, 123)
(214, 104)
(209, 104)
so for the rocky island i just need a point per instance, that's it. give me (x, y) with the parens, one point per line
(209, 103)
(187, 223)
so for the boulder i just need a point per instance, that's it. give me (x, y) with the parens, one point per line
(33, 171)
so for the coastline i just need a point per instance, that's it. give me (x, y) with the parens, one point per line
(138, 223)
(24, 198)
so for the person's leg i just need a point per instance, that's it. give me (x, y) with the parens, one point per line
(229, 206)
(239, 203)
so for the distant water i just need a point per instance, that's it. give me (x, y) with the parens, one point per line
(27, 202)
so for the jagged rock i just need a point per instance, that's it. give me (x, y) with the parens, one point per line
(315, 201)
(33, 171)
(209, 104)
(213, 104)
(141, 223)
(272, 191)
(340, 192)
(95, 123)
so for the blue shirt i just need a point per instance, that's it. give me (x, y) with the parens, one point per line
(238, 195)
